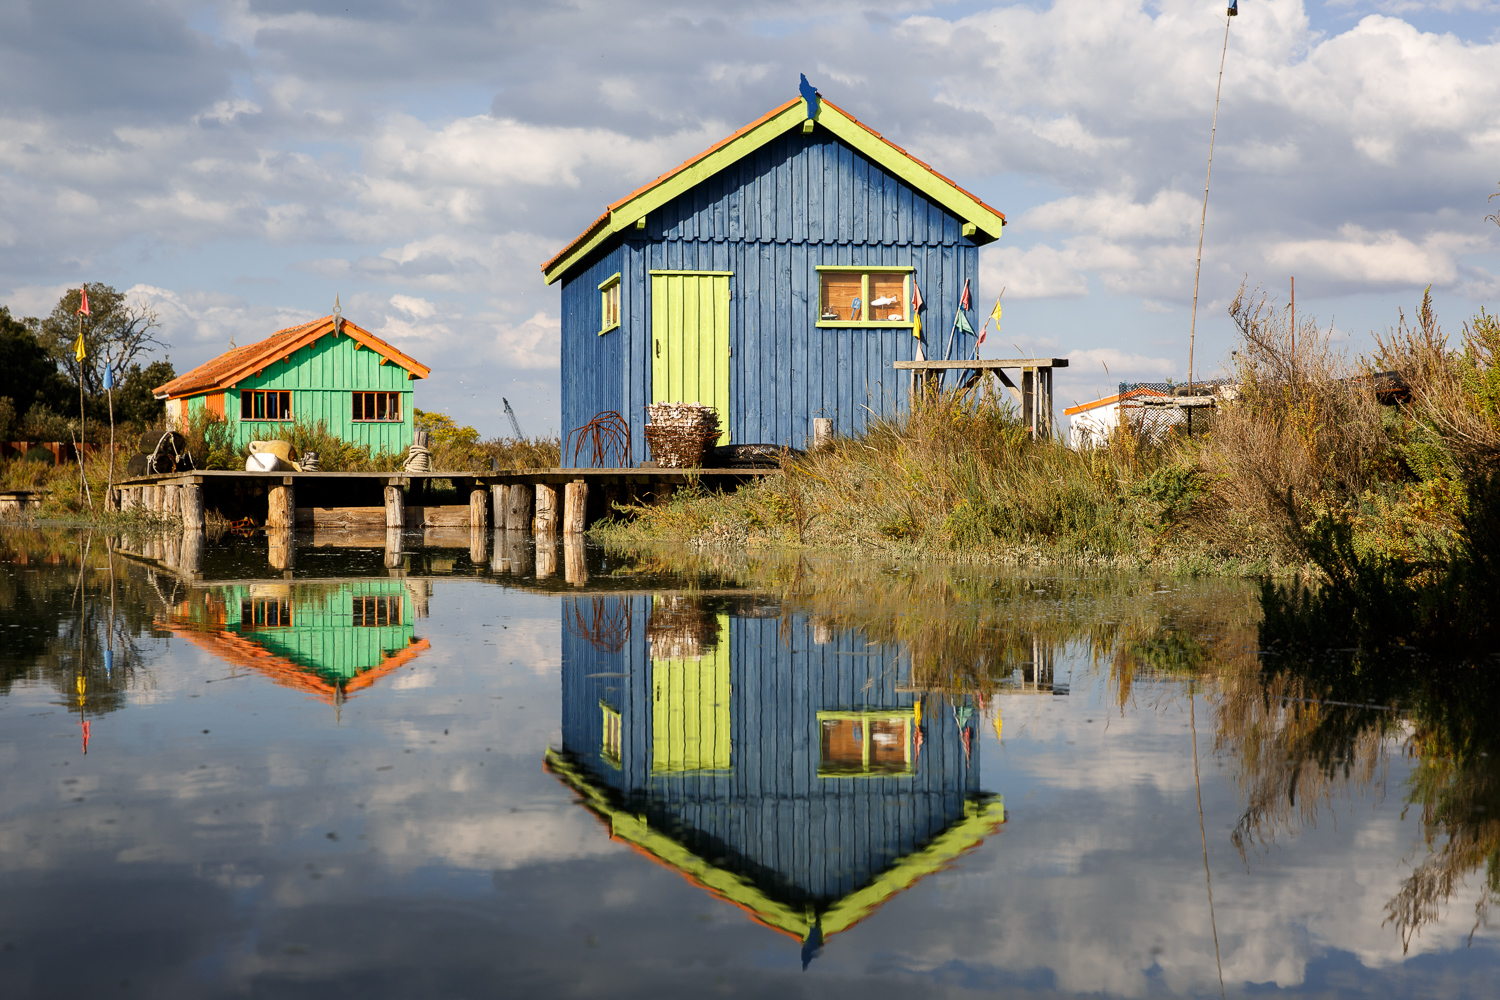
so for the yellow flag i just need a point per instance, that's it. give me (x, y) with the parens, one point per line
(916, 328)
(995, 315)
(78, 350)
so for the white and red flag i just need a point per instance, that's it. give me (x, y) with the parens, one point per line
(83, 301)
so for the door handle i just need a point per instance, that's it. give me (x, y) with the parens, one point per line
(658, 348)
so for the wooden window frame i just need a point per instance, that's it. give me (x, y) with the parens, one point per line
(248, 398)
(888, 715)
(609, 304)
(612, 735)
(365, 610)
(257, 613)
(864, 297)
(367, 398)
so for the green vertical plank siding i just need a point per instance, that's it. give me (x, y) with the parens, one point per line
(323, 637)
(322, 378)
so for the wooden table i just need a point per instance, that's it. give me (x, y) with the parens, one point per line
(1033, 395)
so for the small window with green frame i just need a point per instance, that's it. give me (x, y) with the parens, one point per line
(864, 296)
(609, 303)
(610, 736)
(864, 744)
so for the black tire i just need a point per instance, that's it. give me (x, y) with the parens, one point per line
(136, 466)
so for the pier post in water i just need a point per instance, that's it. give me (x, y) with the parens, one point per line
(546, 510)
(281, 505)
(190, 502)
(169, 499)
(395, 509)
(575, 507)
(575, 562)
(517, 508)
(479, 508)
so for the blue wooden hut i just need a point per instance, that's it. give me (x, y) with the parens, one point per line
(785, 775)
(774, 276)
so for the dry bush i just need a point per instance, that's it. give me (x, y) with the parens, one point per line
(1454, 393)
(1305, 434)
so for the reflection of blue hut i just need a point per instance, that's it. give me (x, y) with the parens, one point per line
(786, 776)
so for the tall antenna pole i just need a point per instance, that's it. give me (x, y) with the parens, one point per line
(1203, 219)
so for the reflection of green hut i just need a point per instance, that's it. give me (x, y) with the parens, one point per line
(786, 776)
(327, 639)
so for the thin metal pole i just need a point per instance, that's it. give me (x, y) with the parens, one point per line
(1203, 219)
(1203, 835)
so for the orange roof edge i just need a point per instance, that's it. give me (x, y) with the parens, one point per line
(231, 367)
(604, 219)
(1082, 407)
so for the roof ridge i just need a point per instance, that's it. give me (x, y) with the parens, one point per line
(593, 230)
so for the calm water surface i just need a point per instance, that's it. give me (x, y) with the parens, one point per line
(470, 771)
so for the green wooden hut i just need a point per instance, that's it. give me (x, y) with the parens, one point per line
(328, 640)
(329, 371)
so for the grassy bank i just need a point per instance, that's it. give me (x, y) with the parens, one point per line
(1307, 445)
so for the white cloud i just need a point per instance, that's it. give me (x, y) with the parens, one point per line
(1386, 258)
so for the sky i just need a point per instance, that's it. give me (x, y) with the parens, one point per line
(235, 165)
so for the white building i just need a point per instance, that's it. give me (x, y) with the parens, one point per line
(1091, 424)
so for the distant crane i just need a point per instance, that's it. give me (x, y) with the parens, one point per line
(515, 424)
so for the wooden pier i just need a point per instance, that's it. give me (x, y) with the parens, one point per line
(542, 501)
(1033, 395)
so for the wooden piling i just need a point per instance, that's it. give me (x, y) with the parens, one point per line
(281, 505)
(546, 555)
(190, 561)
(517, 508)
(499, 501)
(395, 508)
(546, 511)
(575, 562)
(479, 509)
(575, 507)
(822, 432)
(281, 552)
(169, 500)
(518, 552)
(479, 539)
(190, 504)
(393, 557)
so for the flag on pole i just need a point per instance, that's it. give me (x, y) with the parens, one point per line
(964, 302)
(995, 314)
(916, 310)
(961, 322)
(983, 331)
(83, 301)
(79, 351)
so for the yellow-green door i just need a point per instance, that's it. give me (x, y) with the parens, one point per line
(690, 720)
(690, 340)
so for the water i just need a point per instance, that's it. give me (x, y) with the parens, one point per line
(323, 770)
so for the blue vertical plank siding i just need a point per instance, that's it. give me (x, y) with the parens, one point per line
(593, 366)
(797, 203)
(801, 837)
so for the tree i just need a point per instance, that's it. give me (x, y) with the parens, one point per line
(116, 332)
(134, 402)
(28, 375)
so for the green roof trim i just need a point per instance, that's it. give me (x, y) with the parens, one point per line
(981, 818)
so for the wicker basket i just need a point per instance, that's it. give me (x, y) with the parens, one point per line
(681, 629)
(679, 433)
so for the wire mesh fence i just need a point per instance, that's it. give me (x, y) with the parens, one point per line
(1153, 410)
